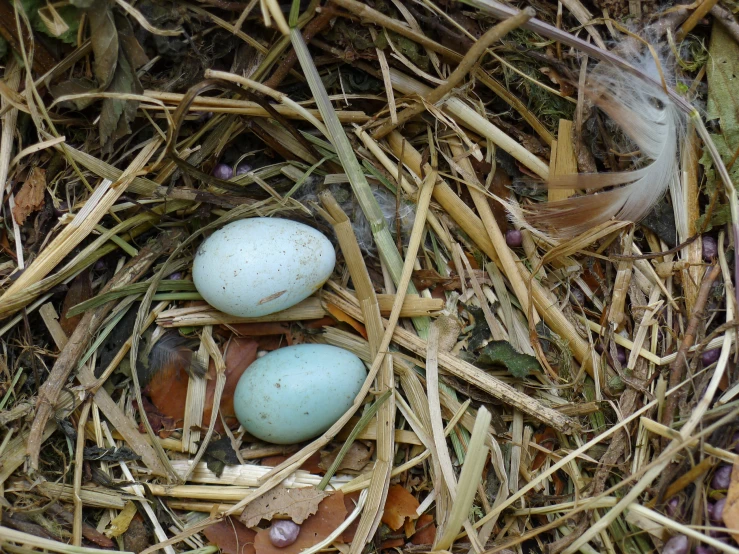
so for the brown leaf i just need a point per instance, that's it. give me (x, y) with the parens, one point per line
(231, 536)
(425, 530)
(31, 196)
(350, 502)
(355, 459)
(168, 389)
(400, 504)
(104, 37)
(331, 513)
(311, 465)
(297, 504)
(79, 291)
(239, 355)
(136, 537)
(343, 317)
(731, 510)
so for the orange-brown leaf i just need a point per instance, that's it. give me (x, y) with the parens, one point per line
(340, 315)
(425, 530)
(331, 513)
(231, 536)
(400, 504)
(168, 389)
(31, 196)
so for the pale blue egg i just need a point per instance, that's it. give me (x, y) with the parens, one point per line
(296, 393)
(261, 265)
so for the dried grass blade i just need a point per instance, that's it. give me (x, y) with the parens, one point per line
(380, 481)
(353, 169)
(95, 208)
(477, 453)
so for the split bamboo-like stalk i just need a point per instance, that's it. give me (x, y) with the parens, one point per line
(471, 223)
(470, 374)
(310, 308)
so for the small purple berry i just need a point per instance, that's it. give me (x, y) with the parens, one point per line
(710, 356)
(223, 171)
(243, 168)
(672, 506)
(176, 276)
(704, 549)
(722, 477)
(100, 265)
(578, 296)
(710, 248)
(621, 354)
(514, 238)
(283, 533)
(676, 545)
(599, 347)
(716, 512)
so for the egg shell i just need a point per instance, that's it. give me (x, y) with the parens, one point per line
(259, 266)
(296, 393)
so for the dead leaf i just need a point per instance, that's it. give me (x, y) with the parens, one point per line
(355, 459)
(311, 465)
(400, 504)
(565, 87)
(136, 538)
(546, 439)
(350, 502)
(79, 291)
(331, 513)
(346, 318)
(425, 530)
(731, 509)
(169, 391)
(31, 196)
(297, 504)
(231, 536)
(120, 523)
(239, 355)
(104, 37)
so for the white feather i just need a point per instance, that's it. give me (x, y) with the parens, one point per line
(647, 115)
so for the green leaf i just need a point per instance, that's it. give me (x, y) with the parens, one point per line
(501, 353)
(721, 216)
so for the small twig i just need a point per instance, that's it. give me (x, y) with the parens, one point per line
(469, 61)
(677, 366)
(725, 18)
(698, 14)
(78, 465)
(316, 26)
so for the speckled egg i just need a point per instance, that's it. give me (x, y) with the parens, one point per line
(259, 266)
(296, 393)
